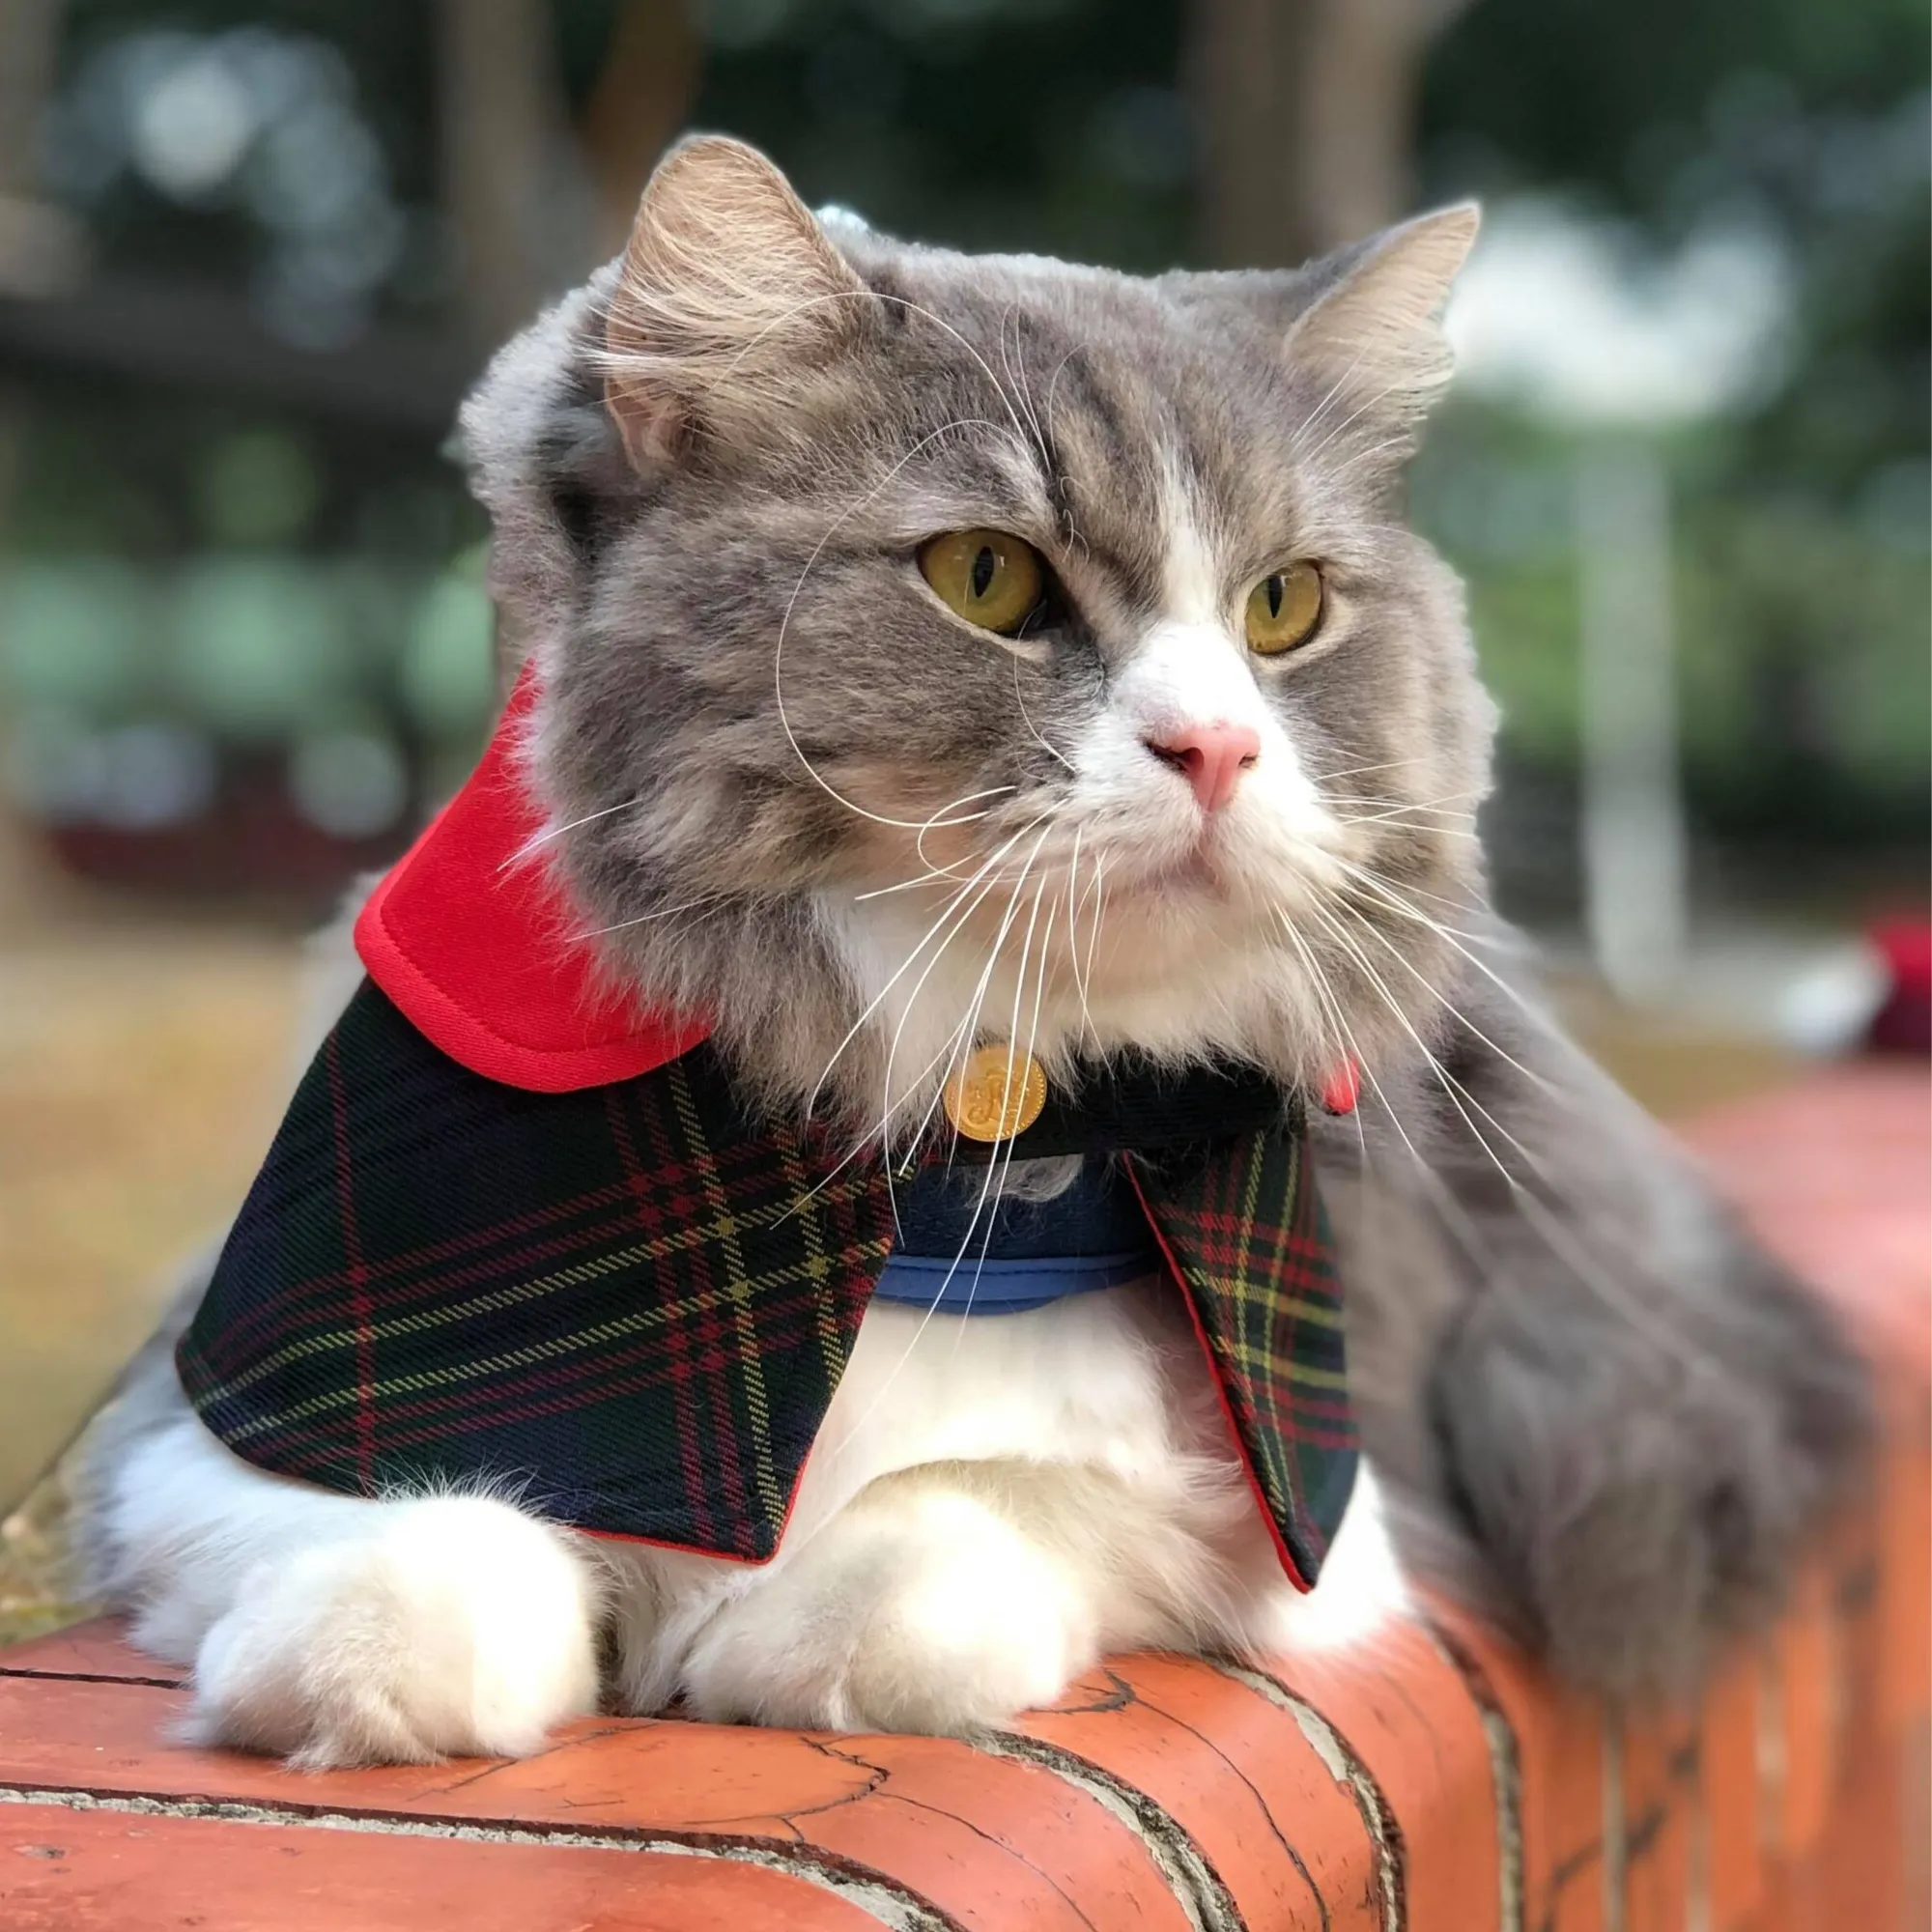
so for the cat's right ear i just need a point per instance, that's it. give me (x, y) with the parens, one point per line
(727, 287)
(1372, 323)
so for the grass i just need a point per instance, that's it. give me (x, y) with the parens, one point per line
(35, 1593)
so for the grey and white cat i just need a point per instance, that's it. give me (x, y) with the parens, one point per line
(1209, 792)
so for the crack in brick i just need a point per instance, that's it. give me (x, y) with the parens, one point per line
(1561, 1875)
(535, 1757)
(1378, 1817)
(1505, 1775)
(1197, 1886)
(1293, 1856)
(1117, 1699)
(880, 1897)
(881, 1783)
(90, 1677)
(877, 1778)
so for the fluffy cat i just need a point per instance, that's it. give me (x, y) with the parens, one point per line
(789, 786)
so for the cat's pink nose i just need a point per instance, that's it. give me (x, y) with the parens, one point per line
(1212, 757)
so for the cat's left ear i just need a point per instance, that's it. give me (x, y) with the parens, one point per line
(1374, 326)
(728, 289)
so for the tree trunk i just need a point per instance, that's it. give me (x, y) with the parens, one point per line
(640, 103)
(29, 40)
(512, 185)
(1307, 117)
(42, 248)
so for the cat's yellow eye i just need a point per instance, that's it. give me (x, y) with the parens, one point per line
(990, 579)
(1284, 609)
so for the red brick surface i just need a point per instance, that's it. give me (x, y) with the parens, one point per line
(1435, 1779)
(96, 1871)
(1735, 1827)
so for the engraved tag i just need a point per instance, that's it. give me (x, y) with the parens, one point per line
(997, 1094)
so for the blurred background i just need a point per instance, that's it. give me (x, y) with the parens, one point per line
(251, 255)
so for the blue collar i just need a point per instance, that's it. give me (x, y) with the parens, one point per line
(964, 1256)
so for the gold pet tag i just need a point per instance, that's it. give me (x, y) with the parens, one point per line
(997, 1094)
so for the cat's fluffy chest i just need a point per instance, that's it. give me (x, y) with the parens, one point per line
(1090, 1379)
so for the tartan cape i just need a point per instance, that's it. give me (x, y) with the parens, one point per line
(513, 1232)
(633, 1302)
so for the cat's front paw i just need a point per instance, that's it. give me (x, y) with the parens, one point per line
(923, 1612)
(460, 1628)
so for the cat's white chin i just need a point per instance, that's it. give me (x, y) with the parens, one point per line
(1187, 974)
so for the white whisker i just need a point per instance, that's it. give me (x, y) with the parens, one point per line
(1456, 1013)
(979, 1204)
(1558, 1239)
(1039, 738)
(646, 918)
(544, 837)
(872, 1005)
(1358, 771)
(1541, 1021)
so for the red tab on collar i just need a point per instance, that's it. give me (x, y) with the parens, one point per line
(472, 941)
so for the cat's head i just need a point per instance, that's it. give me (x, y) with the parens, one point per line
(937, 647)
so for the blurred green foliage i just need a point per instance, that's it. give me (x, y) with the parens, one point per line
(1803, 573)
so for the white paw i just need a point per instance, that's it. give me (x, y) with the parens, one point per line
(913, 1610)
(457, 1627)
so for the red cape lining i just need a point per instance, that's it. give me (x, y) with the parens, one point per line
(471, 937)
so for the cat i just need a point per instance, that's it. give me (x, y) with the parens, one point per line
(1206, 789)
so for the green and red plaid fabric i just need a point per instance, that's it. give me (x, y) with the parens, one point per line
(630, 1305)
(1243, 1228)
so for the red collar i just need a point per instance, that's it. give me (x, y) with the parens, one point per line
(471, 938)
